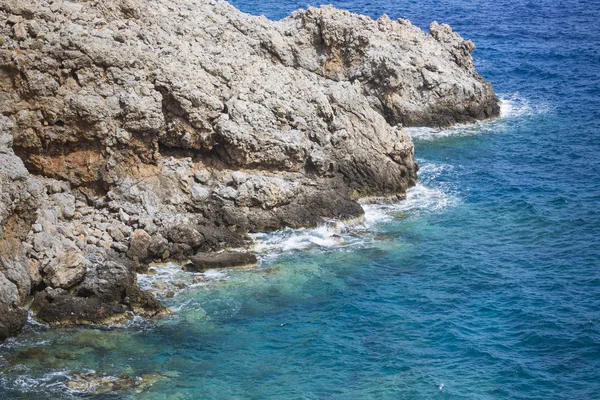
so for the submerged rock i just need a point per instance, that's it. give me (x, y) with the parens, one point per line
(137, 131)
(94, 383)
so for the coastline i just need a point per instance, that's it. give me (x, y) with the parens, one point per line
(118, 159)
(483, 283)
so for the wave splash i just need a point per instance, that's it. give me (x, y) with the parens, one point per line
(513, 107)
(170, 279)
(420, 199)
(428, 196)
(51, 382)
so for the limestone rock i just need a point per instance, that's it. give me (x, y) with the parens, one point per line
(11, 320)
(66, 270)
(19, 198)
(202, 176)
(135, 131)
(108, 294)
(9, 295)
(200, 193)
(138, 248)
(227, 259)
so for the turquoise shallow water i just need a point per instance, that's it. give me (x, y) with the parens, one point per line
(484, 284)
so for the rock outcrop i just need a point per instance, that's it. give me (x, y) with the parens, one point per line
(19, 198)
(204, 261)
(74, 280)
(140, 131)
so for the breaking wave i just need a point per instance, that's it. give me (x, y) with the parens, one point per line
(512, 107)
(427, 197)
(170, 279)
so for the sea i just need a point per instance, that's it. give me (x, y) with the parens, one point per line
(483, 284)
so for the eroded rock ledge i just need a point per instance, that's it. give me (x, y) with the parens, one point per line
(136, 131)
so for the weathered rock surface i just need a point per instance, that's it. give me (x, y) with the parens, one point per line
(18, 202)
(204, 261)
(46, 251)
(138, 131)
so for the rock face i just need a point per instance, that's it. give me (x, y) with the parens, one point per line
(18, 201)
(137, 131)
(44, 251)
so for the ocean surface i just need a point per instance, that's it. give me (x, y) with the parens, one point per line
(483, 284)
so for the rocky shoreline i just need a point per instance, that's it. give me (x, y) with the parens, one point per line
(134, 132)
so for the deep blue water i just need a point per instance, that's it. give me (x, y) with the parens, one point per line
(484, 284)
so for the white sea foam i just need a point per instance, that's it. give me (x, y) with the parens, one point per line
(512, 107)
(376, 214)
(326, 236)
(515, 106)
(136, 322)
(12, 343)
(29, 384)
(430, 134)
(33, 324)
(215, 275)
(427, 196)
(170, 279)
(429, 171)
(337, 235)
(165, 274)
(419, 199)
(181, 306)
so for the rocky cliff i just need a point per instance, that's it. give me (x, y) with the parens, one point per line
(137, 131)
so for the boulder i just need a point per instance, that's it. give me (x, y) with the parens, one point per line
(108, 294)
(227, 259)
(138, 248)
(65, 270)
